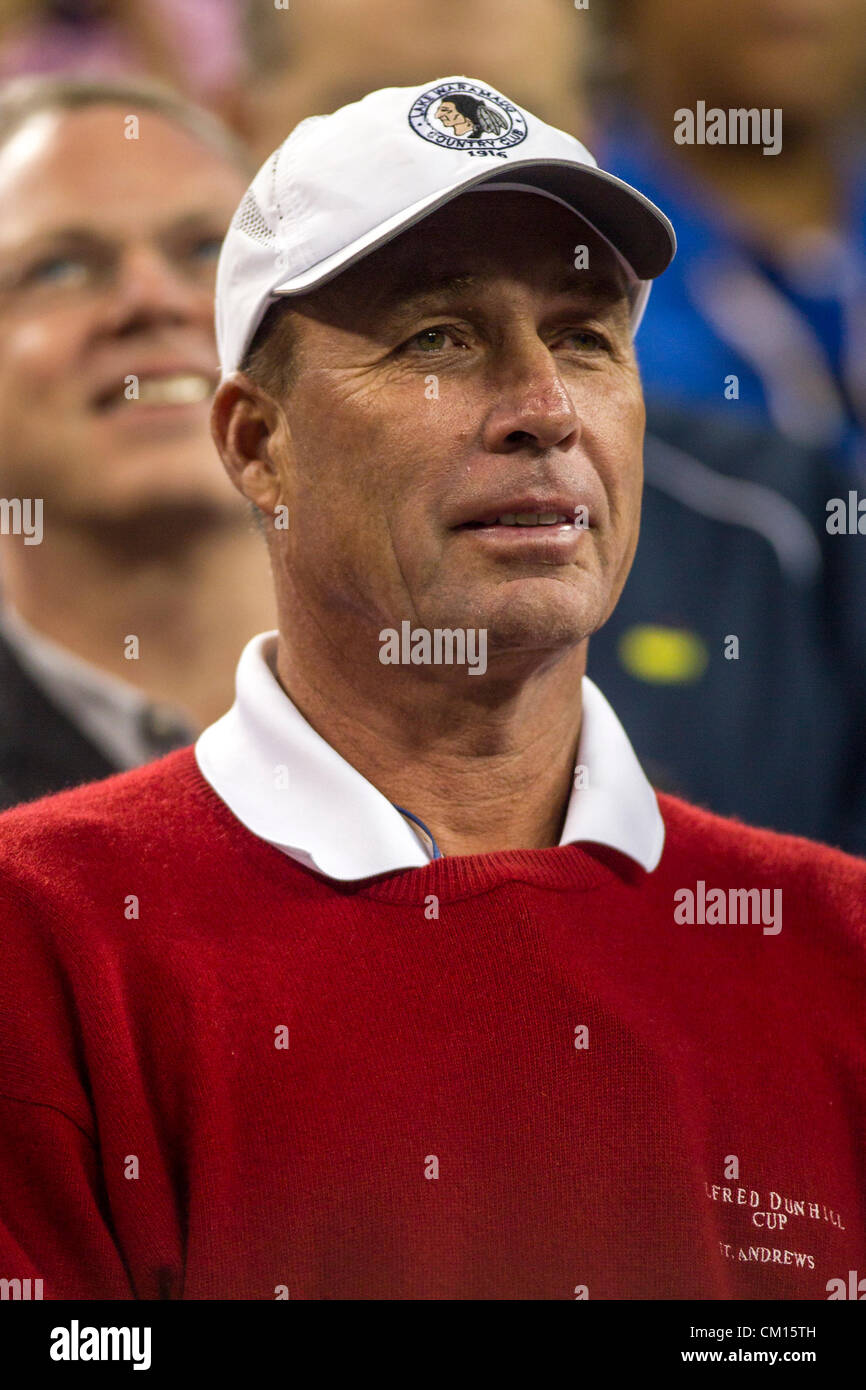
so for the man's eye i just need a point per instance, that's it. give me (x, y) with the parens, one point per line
(431, 339)
(586, 339)
(57, 270)
(207, 248)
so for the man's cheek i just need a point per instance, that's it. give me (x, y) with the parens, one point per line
(36, 352)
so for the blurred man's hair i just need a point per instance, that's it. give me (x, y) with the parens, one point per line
(22, 98)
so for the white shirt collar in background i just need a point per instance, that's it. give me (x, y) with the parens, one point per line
(128, 728)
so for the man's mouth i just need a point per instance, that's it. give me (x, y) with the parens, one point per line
(526, 519)
(167, 389)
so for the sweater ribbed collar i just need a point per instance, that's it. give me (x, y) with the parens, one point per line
(291, 788)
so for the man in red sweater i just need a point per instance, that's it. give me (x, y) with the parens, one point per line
(404, 984)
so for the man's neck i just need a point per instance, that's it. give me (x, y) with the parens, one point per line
(191, 601)
(486, 762)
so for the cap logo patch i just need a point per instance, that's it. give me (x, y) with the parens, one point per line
(464, 116)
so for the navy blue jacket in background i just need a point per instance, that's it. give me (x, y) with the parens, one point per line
(734, 544)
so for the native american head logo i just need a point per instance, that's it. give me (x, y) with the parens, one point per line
(462, 115)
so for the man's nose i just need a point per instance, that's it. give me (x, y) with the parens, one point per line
(532, 404)
(148, 288)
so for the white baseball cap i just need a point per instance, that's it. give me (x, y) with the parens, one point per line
(342, 185)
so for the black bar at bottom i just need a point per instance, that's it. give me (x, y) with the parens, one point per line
(306, 1341)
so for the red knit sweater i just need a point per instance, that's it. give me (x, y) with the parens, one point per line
(225, 1076)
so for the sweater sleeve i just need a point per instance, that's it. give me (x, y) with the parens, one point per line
(53, 1222)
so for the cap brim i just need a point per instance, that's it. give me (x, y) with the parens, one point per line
(638, 230)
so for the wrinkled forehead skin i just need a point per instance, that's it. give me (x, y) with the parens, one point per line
(479, 239)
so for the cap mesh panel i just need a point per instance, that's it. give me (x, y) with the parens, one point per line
(250, 220)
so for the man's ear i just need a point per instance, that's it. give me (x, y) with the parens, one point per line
(251, 435)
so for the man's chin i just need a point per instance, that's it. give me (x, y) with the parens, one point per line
(538, 616)
(566, 599)
(159, 519)
(136, 484)
(513, 640)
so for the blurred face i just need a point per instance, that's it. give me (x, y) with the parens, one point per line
(339, 50)
(463, 396)
(107, 359)
(807, 56)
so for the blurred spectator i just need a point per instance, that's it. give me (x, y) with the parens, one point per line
(736, 656)
(769, 285)
(193, 45)
(124, 607)
(319, 54)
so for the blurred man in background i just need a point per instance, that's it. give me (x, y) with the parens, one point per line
(320, 54)
(737, 651)
(122, 613)
(753, 356)
(769, 288)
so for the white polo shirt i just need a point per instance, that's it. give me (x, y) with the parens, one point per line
(291, 788)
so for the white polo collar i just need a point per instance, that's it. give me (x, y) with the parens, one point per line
(291, 788)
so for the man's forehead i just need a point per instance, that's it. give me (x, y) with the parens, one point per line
(61, 137)
(463, 248)
(73, 169)
(467, 277)
(427, 282)
(76, 149)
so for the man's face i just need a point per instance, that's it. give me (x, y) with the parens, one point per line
(107, 257)
(756, 52)
(448, 114)
(465, 371)
(336, 51)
